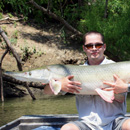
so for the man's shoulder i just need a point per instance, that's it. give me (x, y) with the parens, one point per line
(107, 61)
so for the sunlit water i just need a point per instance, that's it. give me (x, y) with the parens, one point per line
(14, 108)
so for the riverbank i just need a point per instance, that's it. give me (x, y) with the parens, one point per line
(37, 45)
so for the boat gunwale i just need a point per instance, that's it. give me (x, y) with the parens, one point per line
(43, 120)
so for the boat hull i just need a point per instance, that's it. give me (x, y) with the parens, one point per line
(32, 122)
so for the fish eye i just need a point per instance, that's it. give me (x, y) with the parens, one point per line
(30, 73)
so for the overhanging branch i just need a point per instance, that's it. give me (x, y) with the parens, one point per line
(67, 25)
(18, 82)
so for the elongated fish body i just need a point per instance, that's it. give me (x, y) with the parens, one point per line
(91, 77)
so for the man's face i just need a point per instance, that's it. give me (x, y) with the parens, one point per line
(94, 47)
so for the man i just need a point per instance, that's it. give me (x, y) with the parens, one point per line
(94, 112)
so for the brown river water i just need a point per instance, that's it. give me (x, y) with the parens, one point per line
(14, 108)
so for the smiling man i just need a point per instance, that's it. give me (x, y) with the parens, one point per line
(94, 112)
(94, 47)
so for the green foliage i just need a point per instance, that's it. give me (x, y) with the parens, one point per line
(39, 53)
(63, 36)
(117, 30)
(20, 6)
(15, 34)
(15, 24)
(34, 49)
(117, 7)
(14, 37)
(4, 29)
(10, 15)
(1, 15)
(13, 41)
(1, 6)
(115, 27)
(85, 17)
(3, 45)
(38, 15)
(26, 53)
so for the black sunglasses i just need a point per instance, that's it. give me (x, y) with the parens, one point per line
(97, 46)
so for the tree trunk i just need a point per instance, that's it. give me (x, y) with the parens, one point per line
(106, 14)
(1, 77)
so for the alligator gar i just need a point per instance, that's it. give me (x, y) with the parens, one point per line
(91, 77)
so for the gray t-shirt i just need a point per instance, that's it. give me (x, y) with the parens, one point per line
(97, 113)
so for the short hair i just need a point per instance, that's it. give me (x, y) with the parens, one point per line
(93, 32)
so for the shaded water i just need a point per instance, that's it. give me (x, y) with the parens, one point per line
(16, 107)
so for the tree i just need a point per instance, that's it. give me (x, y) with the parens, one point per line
(108, 17)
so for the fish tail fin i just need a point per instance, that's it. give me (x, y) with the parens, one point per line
(108, 96)
(120, 97)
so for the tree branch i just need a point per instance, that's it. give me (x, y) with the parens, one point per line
(8, 78)
(68, 26)
(106, 14)
(19, 64)
(8, 18)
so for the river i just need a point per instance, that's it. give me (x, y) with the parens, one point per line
(14, 108)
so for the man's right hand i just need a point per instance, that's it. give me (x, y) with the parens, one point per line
(70, 86)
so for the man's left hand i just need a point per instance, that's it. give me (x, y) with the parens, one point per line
(119, 86)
